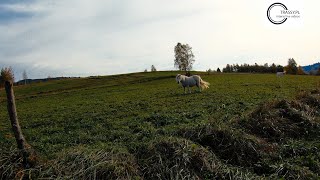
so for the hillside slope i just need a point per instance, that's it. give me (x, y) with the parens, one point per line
(311, 68)
(141, 125)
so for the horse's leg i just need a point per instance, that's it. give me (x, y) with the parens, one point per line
(184, 89)
(199, 86)
(189, 89)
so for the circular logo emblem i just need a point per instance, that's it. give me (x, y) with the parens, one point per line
(272, 18)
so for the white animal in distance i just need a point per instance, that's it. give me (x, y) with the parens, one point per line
(191, 81)
(281, 74)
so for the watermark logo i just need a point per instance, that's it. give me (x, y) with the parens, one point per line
(278, 13)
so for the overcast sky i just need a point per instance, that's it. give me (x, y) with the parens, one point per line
(101, 37)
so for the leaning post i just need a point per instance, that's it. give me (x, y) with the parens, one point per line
(25, 149)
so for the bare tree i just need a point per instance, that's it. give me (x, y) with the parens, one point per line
(153, 68)
(24, 76)
(184, 57)
(7, 78)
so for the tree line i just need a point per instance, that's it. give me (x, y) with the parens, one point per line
(291, 68)
(255, 68)
(184, 60)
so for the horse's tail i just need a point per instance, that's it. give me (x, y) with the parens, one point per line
(204, 84)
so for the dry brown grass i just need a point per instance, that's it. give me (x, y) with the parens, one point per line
(232, 146)
(281, 119)
(77, 163)
(7, 74)
(179, 158)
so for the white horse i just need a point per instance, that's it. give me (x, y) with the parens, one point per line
(281, 74)
(191, 81)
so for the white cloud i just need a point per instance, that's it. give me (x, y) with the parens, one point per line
(24, 7)
(79, 37)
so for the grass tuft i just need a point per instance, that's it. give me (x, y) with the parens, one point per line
(6, 75)
(178, 158)
(279, 120)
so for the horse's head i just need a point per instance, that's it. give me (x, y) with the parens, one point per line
(178, 78)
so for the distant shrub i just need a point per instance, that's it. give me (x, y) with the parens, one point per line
(292, 67)
(209, 71)
(300, 71)
(153, 68)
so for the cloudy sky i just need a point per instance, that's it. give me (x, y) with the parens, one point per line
(101, 37)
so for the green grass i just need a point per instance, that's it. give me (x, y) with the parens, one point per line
(130, 113)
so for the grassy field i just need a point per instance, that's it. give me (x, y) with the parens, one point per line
(141, 125)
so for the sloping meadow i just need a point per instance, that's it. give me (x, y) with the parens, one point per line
(276, 139)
